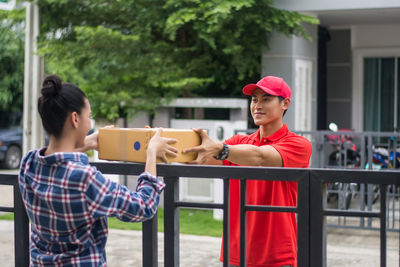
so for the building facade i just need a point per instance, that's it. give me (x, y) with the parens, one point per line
(349, 72)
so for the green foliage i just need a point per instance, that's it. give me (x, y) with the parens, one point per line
(127, 55)
(11, 62)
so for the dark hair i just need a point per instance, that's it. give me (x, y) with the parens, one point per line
(58, 99)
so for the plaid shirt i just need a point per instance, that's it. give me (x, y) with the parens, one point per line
(68, 201)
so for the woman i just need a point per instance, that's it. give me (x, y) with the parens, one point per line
(68, 200)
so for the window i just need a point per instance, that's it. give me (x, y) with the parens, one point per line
(381, 94)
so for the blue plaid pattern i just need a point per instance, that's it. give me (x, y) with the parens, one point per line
(68, 202)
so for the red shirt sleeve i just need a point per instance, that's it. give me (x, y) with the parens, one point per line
(234, 140)
(295, 151)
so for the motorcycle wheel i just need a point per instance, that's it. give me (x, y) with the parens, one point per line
(347, 195)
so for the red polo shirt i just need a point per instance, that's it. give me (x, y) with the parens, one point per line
(271, 236)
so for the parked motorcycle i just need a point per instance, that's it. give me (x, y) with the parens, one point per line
(382, 159)
(347, 155)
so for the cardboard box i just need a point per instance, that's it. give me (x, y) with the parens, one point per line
(130, 144)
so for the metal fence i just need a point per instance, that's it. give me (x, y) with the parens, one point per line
(21, 221)
(311, 208)
(356, 150)
(324, 144)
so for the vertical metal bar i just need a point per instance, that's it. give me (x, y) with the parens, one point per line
(303, 225)
(395, 85)
(243, 226)
(394, 151)
(171, 222)
(383, 229)
(345, 151)
(369, 189)
(321, 156)
(393, 205)
(362, 200)
(149, 242)
(345, 189)
(363, 152)
(370, 152)
(317, 224)
(21, 230)
(387, 220)
(324, 190)
(370, 192)
(362, 186)
(340, 195)
(226, 224)
(340, 150)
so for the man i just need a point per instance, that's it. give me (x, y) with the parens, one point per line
(271, 236)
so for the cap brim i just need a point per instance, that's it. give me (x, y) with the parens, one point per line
(249, 89)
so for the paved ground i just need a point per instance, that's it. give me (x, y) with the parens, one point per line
(346, 248)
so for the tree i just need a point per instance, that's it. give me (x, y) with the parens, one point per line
(128, 55)
(11, 66)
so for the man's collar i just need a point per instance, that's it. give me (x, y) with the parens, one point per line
(255, 137)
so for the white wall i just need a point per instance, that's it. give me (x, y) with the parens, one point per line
(318, 5)
(374, 36)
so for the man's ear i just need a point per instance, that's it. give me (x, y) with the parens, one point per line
(74, 119)
(285, 103)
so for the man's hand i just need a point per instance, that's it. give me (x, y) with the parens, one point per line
(208, 148)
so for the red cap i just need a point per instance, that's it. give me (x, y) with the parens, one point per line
(271, 85)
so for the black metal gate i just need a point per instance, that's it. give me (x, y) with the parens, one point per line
(311, 208)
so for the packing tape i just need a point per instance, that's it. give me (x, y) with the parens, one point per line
(123, 149)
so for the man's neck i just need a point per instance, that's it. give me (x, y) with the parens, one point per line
(270, 129)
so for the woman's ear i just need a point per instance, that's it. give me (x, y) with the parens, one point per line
(74, 119)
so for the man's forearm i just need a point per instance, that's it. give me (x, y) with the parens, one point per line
(249, 155)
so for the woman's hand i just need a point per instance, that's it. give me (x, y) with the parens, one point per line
(161, 147)
(91, 141)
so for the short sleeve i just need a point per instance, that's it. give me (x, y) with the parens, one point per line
(234, 140)
(295, 151)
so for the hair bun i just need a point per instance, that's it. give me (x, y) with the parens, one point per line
(51, 86)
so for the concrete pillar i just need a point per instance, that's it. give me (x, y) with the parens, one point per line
(284, 58)
(33, 133)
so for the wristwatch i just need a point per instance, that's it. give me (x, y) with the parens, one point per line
(223, 154)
